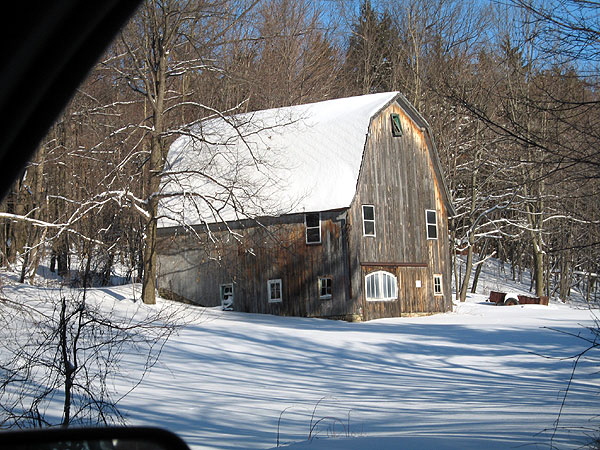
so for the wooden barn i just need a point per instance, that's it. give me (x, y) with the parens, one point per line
(335, 209)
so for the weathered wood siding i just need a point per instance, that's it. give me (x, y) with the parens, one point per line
(276, 250)
(398, 178)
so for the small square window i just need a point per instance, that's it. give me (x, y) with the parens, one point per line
(368, 220)
(437, 285)
(431, 218)
(313, 228)
(274, 291)
(324, 288)
(396, 125)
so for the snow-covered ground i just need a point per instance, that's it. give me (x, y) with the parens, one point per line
(480, 377)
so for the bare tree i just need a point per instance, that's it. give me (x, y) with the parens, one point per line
(165, 42)
(295, 61)
(71, 357)
(545, 117)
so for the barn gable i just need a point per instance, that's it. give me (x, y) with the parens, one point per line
(399, 187)
(320, 210)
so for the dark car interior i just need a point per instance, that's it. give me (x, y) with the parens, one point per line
(49, 47)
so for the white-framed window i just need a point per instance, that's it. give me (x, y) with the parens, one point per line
(274, 291)
(437, 285)
(381, 286)
(313, 228)
(324, 288)
(431, 219)
(368, 212)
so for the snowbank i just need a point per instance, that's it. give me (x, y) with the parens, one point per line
(481, 376)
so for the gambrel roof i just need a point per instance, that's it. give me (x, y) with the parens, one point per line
(293, 159)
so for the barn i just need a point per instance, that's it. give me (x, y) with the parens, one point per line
(336, 209)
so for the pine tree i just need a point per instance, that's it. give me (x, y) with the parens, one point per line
(368, 64)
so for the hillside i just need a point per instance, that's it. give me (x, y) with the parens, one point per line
(479, 376)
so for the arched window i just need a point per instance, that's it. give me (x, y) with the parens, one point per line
(381, 285)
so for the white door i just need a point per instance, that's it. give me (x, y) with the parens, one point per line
(227, 297)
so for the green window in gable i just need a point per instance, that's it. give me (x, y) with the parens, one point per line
(396, 125)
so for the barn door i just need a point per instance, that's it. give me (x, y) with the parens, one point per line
(415, 289)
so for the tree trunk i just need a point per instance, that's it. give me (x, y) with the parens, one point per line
(471, 232)
(464, 287)
(538, 266)
(535, 232)
(158, 154)
(53, 262)
(482, 256)
(66, 364)
(63, 256)
(455, 263)
(149, 264)
(25, 263)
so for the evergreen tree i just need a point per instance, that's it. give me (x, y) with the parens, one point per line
(368, 66)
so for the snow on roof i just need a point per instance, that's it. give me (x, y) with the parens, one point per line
(294, 159)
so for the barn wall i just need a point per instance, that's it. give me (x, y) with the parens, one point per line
(277, 250)
(397, 177)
